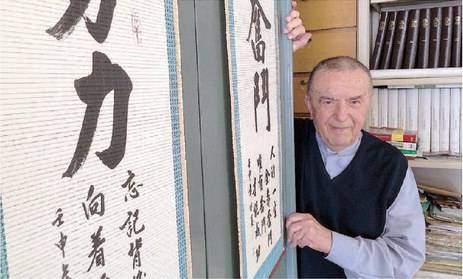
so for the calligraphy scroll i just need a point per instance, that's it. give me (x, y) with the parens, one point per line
(93, 171)
(254, 73)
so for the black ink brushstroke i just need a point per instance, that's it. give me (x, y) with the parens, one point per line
(256, 98)
(100, 29)
(265, 98)
(122, 85)
(69, 20)
(92, 90)
(256, 13)
(259, 51)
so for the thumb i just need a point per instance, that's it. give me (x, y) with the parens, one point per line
(301, 41)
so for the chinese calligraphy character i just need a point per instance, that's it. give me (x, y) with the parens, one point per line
(135, 252)
(265, 96)
(97, 253)
(259, 162)
(269, 218)
(139, 274)
(260, 182)
(96, 205)
(61, 243)
(136, 27)
(92, 90)
(59, 219)
(257, 253)
(132, 224)
(256, 14)
(65, 272)
(131, 187)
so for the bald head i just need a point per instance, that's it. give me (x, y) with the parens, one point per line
(338, 63)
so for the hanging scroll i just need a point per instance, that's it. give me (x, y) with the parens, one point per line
(93, 172)
(253, 62)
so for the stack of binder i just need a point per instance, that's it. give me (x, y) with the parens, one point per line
(434, 113)
(442, 211)
(417, 37)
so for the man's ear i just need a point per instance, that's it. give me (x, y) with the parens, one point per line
(308, 104)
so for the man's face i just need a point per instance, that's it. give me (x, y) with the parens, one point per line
(338, 105)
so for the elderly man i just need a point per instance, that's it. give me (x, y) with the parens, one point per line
(358, 209)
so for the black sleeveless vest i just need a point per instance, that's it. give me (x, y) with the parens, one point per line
(354, 203)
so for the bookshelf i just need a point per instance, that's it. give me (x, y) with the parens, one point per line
(367, 25)
(436, 163)
(443, 172)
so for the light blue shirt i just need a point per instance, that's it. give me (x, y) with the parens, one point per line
(400, 250)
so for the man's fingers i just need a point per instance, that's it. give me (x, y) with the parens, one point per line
(298, 31)
(295, 217)
(293, 24)
(293, 228)
(292, 15)
(301, 41)
(297, 238)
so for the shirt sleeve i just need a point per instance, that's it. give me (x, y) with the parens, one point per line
(400, 250)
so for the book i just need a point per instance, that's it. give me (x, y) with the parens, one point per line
(395, 137)
(388, 41)
(403, 145)
(382, 107)
(446, 37)
(376, 55)
(411, 119)
(435, 37)
(402, 109)
(435, 119)
(392, 110)
(408, 152)
(456, 38)
(398, 46)
(423, 38)
(444, 121)
(386, 130)
(424, 120)
(411, 42)
(373, 117)
(455, 114)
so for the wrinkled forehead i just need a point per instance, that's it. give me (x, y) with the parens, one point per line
(341, 83)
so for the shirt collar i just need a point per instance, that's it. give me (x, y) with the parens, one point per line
(346, 152)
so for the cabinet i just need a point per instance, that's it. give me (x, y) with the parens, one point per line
(367, 25)
(334, 32)
(333, 27)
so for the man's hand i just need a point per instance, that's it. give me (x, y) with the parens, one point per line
(303, 230)
(295, 29)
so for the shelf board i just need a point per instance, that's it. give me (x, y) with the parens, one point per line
(382, 1)
(436, 163)
(417, 76)
(413, 4)
(416, 81)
